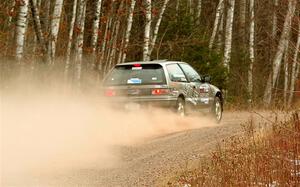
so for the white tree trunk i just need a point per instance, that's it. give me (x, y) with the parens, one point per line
(191, 8)
(219, 13)
(101, 66)
(79, 39)
(80, 21)
(286, 80)
(48, 18)
(228, 33)
(294, 69)
(128, 29)
(95, 28)
(177, 7)
(70, 37)
(37, 25)
(280, 50)
(112, 55)
(220, 40)
(274, 25)
(54, 29)
(156, 29)
(199, 8)
(286, 72)
(121, 48)
(146, 54)
(251, 51)
(21, 29)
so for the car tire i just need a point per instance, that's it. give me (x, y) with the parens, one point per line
(180, 107)
(217, 110)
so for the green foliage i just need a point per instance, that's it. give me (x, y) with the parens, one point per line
(187, 42)
(206, 63)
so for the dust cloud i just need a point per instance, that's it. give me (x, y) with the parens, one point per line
(44, 132)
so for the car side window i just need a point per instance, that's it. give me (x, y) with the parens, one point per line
(175, 73)
(191, 74)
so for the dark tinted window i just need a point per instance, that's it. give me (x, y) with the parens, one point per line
(175, 73)
(191, 74)
(136, 74)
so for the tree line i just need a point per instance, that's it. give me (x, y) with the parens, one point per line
(250, 47)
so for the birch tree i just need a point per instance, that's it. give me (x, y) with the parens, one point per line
(286, 72)
(95, 27)
(80, 22)
(251, 51)
(106, 51)
(70, 37)
(219, 13)
(148, 21)
(274, 25)
(105, 39)
(156, 29)
(191, 8)
(220, 32)
(228, 33)
(128, 29)
(294, 69)
(54, 28)
(79, 40)
(198, 14)
(112, 54)
(280, 50)
(36, 40)
(177, 8)
(37, 25)
(48, 15)
(21, 29)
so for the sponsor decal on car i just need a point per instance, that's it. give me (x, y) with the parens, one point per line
(134, 81)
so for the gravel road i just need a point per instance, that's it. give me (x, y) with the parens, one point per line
(147, 163)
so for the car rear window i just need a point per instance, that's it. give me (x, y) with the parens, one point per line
(136, 74)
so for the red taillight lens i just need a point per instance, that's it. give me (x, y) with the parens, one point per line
(160, 91)
(110, 92)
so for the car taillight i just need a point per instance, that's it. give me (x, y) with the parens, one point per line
(160, 91)
(110, 92)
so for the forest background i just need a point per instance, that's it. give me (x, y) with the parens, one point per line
(249, 47)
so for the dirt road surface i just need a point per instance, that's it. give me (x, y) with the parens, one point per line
(145, 162)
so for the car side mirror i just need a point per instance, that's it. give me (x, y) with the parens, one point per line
(206, 79)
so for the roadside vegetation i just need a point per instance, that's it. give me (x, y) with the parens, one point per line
(264, 155)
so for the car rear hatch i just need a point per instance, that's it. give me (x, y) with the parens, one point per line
(136, 80)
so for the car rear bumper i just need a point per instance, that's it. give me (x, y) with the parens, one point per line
(142, 103)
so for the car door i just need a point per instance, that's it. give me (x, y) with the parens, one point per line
(180, 83)
(200, 91)
(177, 78)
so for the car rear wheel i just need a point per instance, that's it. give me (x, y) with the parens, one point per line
(217, 110)
(180, 107)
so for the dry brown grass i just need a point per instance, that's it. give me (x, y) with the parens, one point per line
(261, 156)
